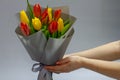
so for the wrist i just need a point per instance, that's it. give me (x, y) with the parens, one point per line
(84, 62)
(81, 61)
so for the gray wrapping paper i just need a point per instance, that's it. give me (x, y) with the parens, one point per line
(43, 73)
(44, 51)
(47, 52)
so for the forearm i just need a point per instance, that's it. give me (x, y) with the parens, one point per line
(111, 69)
(110, 51)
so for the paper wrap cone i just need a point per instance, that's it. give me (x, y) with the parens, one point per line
(47, 51)
(44, 51)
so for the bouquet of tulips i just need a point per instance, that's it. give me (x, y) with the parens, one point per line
(45, 33)
(49, 22)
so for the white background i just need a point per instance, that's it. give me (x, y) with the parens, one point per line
(98, 22)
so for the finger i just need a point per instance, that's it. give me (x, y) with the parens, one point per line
(57, 72)
(63, 61)
(54, 68)
(49, 67)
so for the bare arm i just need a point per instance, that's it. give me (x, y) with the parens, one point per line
(95, 59)
(110, 51)
(109, 68)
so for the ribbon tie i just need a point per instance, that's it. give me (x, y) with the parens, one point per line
(43, 73)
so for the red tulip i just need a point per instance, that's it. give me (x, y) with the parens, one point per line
(44, 17)
(57, 14)
(24, 29)
(53, 27)
(37, 10)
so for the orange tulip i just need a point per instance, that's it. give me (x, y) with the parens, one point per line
(37, 10)
(57, 14)
(24, 29)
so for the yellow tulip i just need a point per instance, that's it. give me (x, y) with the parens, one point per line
(36, 23)
(50, 14)
(24, 17)
(60, 25)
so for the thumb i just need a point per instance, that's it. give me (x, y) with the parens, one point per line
(63, 61)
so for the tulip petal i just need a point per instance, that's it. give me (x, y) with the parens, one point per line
(50, 14)
(37, 10)
(44, 17)
(57, 14)
(60, 24)
(53, 27)
(24, 29)
(24, 17)
(36, 23)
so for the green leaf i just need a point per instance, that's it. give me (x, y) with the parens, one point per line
(66, 22)
(47, 34)
(30, 10)
(67, 26)
(31, 28)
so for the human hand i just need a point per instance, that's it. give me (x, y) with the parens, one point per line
(67, 64)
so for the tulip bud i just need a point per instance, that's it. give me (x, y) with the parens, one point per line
(24, 17)
(53, 27)
(50, 14)
(36, 23)
(44, 17)
(37, 10)
(57, 14)
(60, 24)
(24, 29)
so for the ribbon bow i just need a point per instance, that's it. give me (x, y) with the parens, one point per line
(43, 73)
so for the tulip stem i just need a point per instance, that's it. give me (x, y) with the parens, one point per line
(47, 34)
(58, 34)
(31, 12)
(54, 35)
(31, 28)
